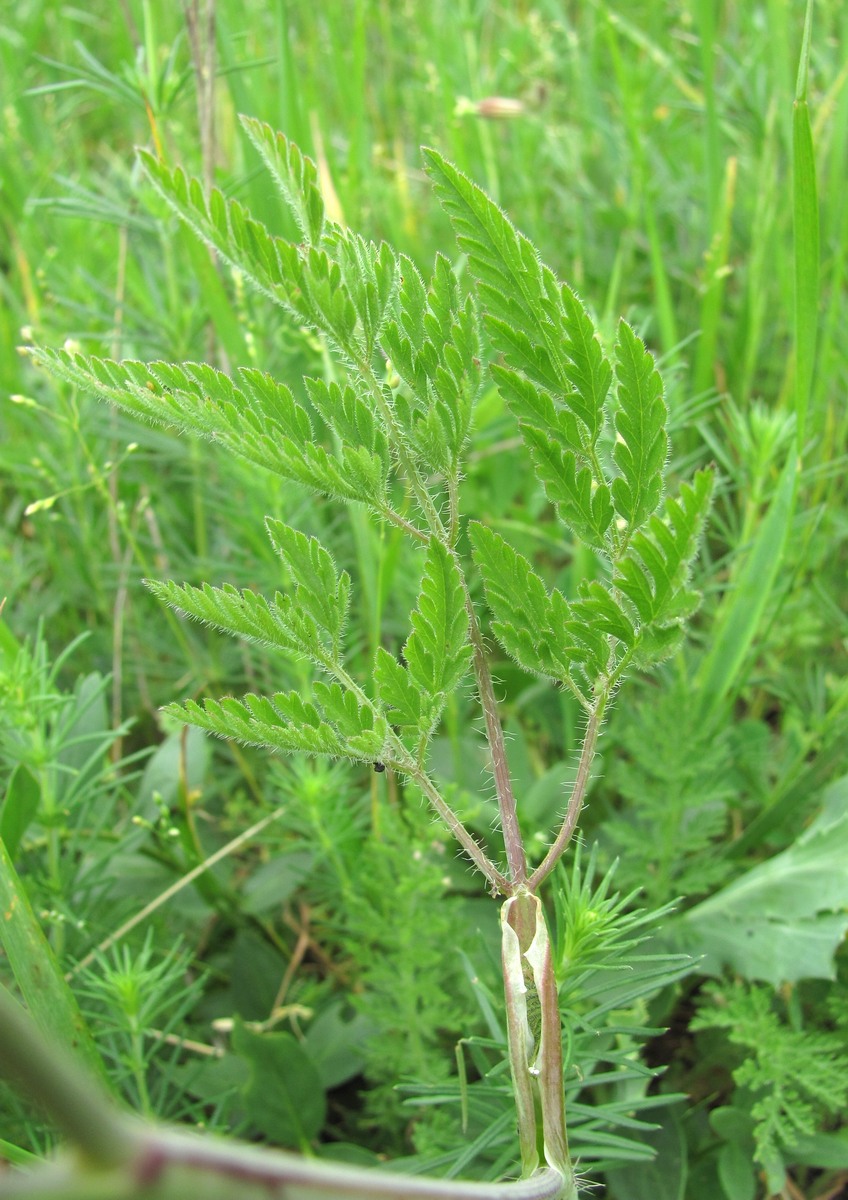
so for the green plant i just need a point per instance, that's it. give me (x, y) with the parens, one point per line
(790, 1078)
(413, 358)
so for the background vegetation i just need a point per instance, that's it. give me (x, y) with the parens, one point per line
(647, 150)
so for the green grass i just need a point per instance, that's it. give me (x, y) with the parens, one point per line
(672, 164)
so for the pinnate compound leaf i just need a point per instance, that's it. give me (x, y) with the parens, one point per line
(371, 275)
(523, 614)
(288, 723)
(586, 367)
(308, 620)
(302, 279)
(504, 261)
(540, 629)
(434, 347)
(240, 613)
(253, 417)
(320, 592)
(437, 651)
(654, 572)
(401, 699)
(295, 174)
(581, 501)
(553, 438)
(642, 444)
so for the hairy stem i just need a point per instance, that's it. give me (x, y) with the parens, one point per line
(515, 855)
(578, 794)
(472, 848)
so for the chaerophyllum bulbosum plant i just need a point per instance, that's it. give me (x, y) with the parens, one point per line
(413, 356)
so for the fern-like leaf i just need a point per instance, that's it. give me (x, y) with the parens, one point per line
(303, 279)
(254, 418)
(321, 594)
(527, 621)
(289, 723)
(642, 443)
(240, 613)
(403, 702)
(654, 573)
(295, 174)
(437, 651)
(434, 347)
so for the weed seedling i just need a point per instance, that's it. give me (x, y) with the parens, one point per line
(413, 356)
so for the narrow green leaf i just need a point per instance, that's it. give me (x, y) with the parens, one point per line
(806, 236)
(320, 592)
(742, 607)
(437, 651)
(642, 443)
(295, 174)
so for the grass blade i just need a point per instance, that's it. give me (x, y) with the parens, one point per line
(806, 227)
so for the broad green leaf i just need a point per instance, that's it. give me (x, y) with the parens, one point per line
(437, 651)
(295, 174)
(783, 920)
(284, 1096)
(20, 804)
(336, 1042)
(642, 444)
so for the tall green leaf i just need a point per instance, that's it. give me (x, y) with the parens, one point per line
(642, 444)
(437, 651)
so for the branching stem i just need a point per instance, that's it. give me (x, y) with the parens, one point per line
(515, 854)
(578, 794)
